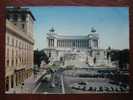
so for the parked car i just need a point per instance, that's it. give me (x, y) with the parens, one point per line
(82, 83)
(77, 87)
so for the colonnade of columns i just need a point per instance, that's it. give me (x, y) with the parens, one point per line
(50, 42)
(73, 43)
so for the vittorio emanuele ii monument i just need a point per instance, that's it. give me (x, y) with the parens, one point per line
(74, 49)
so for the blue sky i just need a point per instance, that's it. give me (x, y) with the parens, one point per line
(111, 23)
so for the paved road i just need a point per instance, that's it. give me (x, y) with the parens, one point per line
(46, 86)
(64, 79)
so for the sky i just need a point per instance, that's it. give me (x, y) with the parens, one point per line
(111, 23)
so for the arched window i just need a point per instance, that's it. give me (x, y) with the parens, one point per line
(12, 81)
(7, 83)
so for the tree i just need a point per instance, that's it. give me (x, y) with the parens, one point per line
(122, 56)
(39, 56)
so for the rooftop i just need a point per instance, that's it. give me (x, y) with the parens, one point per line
(19, 10)
(95, 36)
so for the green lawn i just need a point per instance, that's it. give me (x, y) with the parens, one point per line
(53, 66)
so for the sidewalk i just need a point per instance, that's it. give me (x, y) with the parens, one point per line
(29, 84)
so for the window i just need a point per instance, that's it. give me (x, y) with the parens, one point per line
(7, 83)
(7, 62)
(98, 53)
(15, 17)
(16, 61)
(8, 17)
(12, 57)
(16, 53)
(16, 43)
(12, 62)
(19, 44)
(20, 59)
(12, 42)
(23, 17)
(12, 81)
(7, 56)
(8, 40)
(12, 53)
(23, 26)
(16, 79)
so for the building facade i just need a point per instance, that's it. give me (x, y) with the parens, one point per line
(19, 46)
(85, 47)
(79, 42)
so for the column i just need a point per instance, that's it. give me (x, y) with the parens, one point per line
(90, 43)
(71, 43)
(9, 82)
(57, 43)
(81, 43)
(86, 43)
(97, 43)
(14, 80)
(49, 42)
(61, 43)
(76, 44)
(53, 43)
(66, 43)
